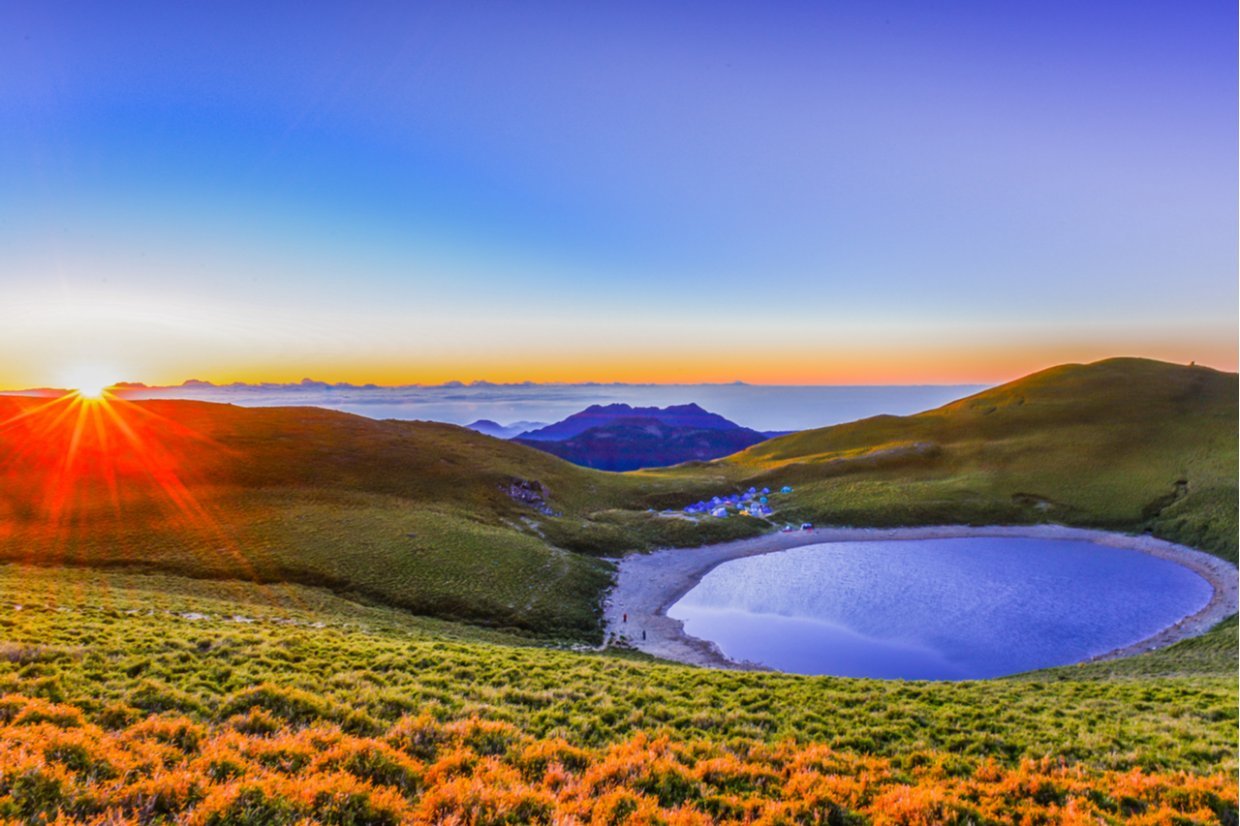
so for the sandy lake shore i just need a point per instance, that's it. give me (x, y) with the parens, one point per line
(648, 584)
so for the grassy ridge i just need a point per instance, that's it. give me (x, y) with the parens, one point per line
(414, 514)
(423, 516)
(430, 517)
(1127, 444)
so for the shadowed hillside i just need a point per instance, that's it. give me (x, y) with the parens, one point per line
(430, 517)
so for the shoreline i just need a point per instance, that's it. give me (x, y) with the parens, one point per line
(647, 585)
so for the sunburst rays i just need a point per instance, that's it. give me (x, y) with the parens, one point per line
(81, 465)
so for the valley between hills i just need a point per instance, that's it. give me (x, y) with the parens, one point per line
(216, 614)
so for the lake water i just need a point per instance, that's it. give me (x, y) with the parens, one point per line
(937, 609)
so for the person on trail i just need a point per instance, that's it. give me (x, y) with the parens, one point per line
(643, 633)
(625, 619)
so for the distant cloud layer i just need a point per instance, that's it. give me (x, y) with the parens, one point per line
(758, 407)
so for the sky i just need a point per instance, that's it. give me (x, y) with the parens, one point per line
(780, 193)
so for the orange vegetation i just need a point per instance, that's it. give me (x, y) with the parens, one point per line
(56, 766)
(79, 465)
(95, 454)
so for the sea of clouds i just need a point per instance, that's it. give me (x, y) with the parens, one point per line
(762, 407)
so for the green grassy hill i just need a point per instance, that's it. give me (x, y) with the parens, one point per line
(155, 642)
(194, 672)
(446, 522)
(1128, 444)
(430, 517)
(414, 514)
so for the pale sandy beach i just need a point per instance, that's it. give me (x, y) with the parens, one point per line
(648, 584)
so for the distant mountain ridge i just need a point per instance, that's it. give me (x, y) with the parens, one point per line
(633, 443)
(685, 416)
(502, 431)
(620, 437)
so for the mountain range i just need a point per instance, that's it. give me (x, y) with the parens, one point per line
(619, 437)
(500, 431)
(679, 416)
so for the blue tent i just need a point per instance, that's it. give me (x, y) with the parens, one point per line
(785, 489)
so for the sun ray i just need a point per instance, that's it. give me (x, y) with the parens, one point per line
(102, 466)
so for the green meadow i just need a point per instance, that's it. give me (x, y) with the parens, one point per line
(421, 516)
(276, 574)
(122, 646)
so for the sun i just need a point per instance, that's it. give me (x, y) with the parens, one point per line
(88, 382)
(92, 389)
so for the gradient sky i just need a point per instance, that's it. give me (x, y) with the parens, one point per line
(772, 192)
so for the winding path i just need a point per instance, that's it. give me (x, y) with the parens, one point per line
(648, 584)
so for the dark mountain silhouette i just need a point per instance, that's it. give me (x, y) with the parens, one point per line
(620, 437)
(502, 431)
(684, 416)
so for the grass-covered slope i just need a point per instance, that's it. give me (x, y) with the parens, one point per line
(153, 642)
(447, 522)
(430, 517)
(1129, 444)
(240, 694)
(135, 698)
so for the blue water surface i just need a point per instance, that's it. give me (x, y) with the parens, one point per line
(937, 609)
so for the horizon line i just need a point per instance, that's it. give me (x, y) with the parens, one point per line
(315, 384)
(307, 383)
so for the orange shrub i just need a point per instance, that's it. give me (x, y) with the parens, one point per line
(58, 767)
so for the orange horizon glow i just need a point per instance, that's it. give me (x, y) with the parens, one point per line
(484, 210)
(928, 367)
(166, 341)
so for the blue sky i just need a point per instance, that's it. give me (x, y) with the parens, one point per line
(637, 191)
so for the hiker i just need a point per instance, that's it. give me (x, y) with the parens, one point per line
(625, 619)
(643, 634)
